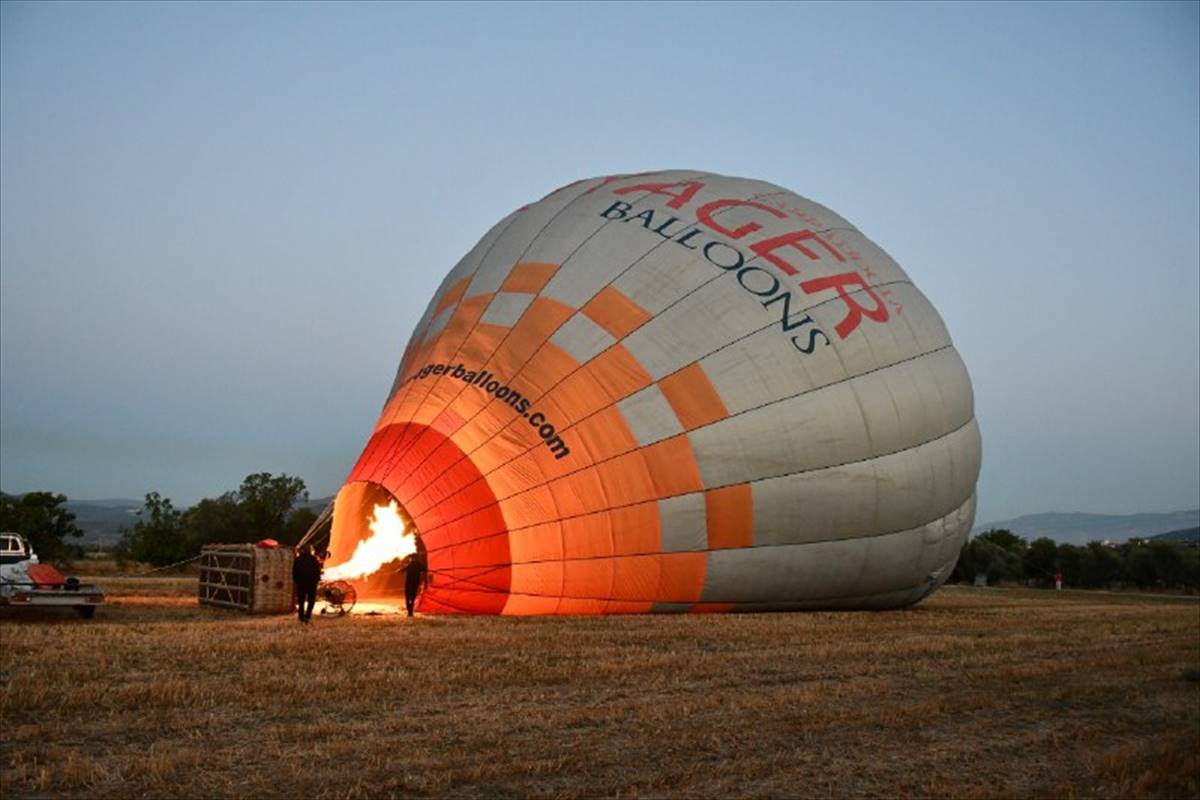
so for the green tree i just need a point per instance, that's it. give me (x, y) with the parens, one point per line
(298, 523)
(1041, 560)
(42, 518)
(1001, 553)
(1138, 565)
(1002, 537)
(966, 567)
(1189, 567)
(1070, 562)
(214, 520)
(267, 501)
(266, 506)
(1169, 562)
(1100, 565)
(996, 554)
(157, 538)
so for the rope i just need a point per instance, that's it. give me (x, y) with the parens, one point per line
(318, 523)
(196, 557)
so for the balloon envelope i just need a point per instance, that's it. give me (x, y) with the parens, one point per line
(673, 391)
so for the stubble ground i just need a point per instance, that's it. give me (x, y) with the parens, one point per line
(974, 693)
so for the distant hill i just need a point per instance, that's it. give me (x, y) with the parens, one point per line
(101, 520)
(1191, 535)
(1080, 528)
(318, 504)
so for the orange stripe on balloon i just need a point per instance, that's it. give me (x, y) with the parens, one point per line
(510, 480)
(586, 584)
(535, 589)
(452, 295)
(484, 437)
(627, 480)
(636, 530)
(530, 468)
(635, 582)
(548, 369)
(580, 492)
(483, 418)
(627, 606)
(539, 322)
(682, 577)
(459, 326)
(612, 310)
(618, 373)
(712, 608)
(453, 480)
(480, 345)
(579, 395)
(536, 543)
(590, 536)
(694, 398)
(672, 465)
(512, 445)
(730, 512)
(529, 277)
(604, 434)
(534, 507)
(406, 406)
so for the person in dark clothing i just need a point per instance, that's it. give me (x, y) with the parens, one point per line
(306, 574)
(414, 576)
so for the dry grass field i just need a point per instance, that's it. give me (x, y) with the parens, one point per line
(975, 693)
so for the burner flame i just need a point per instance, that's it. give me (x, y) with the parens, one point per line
(389, 541)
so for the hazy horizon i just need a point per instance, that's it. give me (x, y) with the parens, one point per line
(976, 524)
(220, 222)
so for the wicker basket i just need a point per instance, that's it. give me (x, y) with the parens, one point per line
(257, 580)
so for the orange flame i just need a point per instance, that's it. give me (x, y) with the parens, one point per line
(389, 541)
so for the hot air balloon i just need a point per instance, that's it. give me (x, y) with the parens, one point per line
(666, 392)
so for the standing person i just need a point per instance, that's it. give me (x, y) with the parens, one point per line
(414, 576)
(306, 574)
(1058, 578)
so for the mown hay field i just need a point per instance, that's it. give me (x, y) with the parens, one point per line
(974, 693)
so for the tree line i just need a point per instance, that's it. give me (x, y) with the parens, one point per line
(268, 506)
(1143, 563)
(265, 506)
(43, 519)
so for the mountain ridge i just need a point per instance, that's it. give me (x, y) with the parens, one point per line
(1081, 527)
(101, 520)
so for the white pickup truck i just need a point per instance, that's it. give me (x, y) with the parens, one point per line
(26, 583)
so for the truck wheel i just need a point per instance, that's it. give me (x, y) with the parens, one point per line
(87, 612)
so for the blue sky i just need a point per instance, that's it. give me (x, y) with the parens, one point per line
(218, 223)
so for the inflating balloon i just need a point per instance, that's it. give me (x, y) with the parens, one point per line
(672, 391)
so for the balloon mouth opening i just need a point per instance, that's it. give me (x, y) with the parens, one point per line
(372, 540)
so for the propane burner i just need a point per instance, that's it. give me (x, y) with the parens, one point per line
(339, 597)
